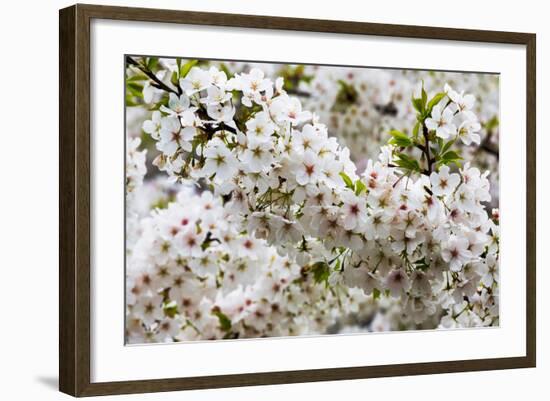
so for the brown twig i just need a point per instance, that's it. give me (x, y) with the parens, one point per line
(157, 83)
(427, 148)
(488, 147)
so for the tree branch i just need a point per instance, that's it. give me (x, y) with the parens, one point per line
(157, 82)
(427, 148)
(488, 147)
(296, 92)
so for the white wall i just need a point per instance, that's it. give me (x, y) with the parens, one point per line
(28, 196)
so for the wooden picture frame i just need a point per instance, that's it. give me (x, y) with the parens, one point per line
(75, 206)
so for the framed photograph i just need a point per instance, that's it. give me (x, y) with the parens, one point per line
(249, 200)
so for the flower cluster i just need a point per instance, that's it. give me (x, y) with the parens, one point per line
(135, 166)
(193, 275)
(135, 172)
(284, 211)
(356, 101)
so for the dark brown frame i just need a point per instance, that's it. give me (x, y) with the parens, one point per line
(74, 199)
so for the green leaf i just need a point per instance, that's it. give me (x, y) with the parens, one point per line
(137, 78)
(307, 78)
(347, 180)
(406, 162)
(224, 68)
(130, 101)
(225, 322)
(417, 104)
(184, 69)
(435, 100)
(152, 63)
(424, 97)
(492, 123)
(338, 265)
(174, 78)
(447, 145)
(400, 139)
(321, 272)
(415, 129)
(359, 187)
(156, 106)
(449, 157)
(170, 309)
(134, 89)
(346, 96)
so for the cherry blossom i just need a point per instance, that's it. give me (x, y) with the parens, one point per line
(441, 121)
(275, 232)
